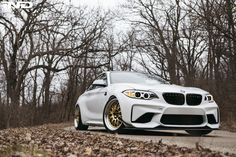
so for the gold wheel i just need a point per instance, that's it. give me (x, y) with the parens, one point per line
(112, 116)
(77, 120)
(115, 115)
(76, 117)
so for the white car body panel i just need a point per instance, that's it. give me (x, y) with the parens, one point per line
(92, 104)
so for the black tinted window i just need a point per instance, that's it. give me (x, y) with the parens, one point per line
(103, 76)
(94, 87)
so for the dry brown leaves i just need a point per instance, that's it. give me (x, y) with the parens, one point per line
(51, 140)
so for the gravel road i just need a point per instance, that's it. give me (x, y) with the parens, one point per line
(218, 140)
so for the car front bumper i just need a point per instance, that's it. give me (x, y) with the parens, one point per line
(151, 114)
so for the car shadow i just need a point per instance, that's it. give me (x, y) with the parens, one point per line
(150, 133)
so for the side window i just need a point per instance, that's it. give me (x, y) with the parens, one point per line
(100, 77)
(91, 87)
(103, 77)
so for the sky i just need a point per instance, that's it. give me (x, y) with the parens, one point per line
(115, 5)
(108, 4)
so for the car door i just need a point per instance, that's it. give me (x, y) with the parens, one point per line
(96, 97)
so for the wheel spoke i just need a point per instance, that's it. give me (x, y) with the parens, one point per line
(114, 115)
(77, 115)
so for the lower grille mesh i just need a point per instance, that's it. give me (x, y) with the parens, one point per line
(170, 119)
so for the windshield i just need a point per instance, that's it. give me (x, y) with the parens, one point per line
(133, 77)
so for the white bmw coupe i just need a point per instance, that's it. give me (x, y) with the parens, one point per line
(119, 99)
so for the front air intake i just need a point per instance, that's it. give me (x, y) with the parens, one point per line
(169, 119)
(211, 119)
(174, 98)
(145, 118)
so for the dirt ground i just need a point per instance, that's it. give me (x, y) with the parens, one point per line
(54, 140)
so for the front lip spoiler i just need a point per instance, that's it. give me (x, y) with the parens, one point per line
(127, 125)
(175, 128)
(184, 128)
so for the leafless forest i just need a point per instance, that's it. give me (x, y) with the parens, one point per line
(51, 53)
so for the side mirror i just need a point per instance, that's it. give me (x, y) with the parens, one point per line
(100, 83)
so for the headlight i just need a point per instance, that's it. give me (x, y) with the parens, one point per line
(209, 98)
(140, 94)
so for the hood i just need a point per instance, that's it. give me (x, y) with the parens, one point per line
(162, 88)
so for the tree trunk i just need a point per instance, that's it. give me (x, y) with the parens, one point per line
(47, 104)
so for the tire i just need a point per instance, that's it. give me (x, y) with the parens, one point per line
(198, 132)
(77, 120)
(112, 118)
